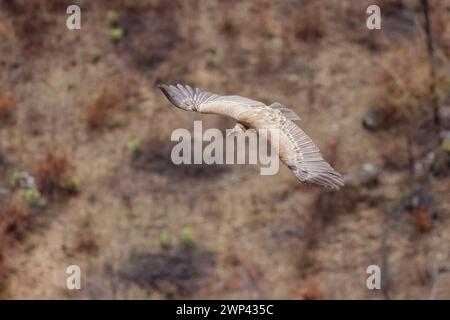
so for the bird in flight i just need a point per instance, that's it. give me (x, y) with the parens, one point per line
(296, 149)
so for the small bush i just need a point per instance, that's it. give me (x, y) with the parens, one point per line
(445, 145)
(186, 237)
(308, 24)
(87, 241)
(73, 186)
(32, 196)
(15, 179)
(96, 54)
(13, 224)
(422, 219)
(165, 240)
(7, 105)
(134, 146)
(112, 17)
(118, 94)
(12, 219)
(53, 174)
(98, 113)
(116, 33)
(211, 59)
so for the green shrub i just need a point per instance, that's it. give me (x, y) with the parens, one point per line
(32, 196)
(445, 145)
(165, 240)
(96, 54)
(211, 59)
(187, 237)
(112, 17)
(73, 185)
(116, 33)
(134, 145)
(15, 178)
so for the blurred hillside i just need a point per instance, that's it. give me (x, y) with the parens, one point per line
(86, 176)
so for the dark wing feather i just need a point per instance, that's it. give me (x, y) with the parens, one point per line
(185, 97)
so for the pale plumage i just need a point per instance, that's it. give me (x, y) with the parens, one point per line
(296, 149)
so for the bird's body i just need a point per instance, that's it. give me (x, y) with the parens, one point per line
(295, 148)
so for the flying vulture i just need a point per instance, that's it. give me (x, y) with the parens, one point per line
(296, 149)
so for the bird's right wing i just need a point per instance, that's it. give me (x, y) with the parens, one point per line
(295, 147)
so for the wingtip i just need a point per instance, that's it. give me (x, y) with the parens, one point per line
(329, 180)
(338, 182)
(162, 86)
(175, 94)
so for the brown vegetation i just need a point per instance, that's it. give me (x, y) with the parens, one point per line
(403, 92)
(422, 219)
(13, 225)
(100, 110)
(308, 24)
(7, 105)
(53, 174)
(114, 96)
(12, 222)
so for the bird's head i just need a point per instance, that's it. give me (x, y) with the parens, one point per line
(179, 96)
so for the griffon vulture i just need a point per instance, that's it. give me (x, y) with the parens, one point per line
(296, 149)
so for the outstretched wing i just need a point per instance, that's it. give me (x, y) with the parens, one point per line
(187, 98)
(304, 159)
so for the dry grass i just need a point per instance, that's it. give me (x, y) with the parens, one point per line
(112, 99)
(13, 225)
(99, 112)
(32, 19)
(440, 26)
(402, 88)
(394, 154)
(12, 222)
(87, 241)
(308, 24)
